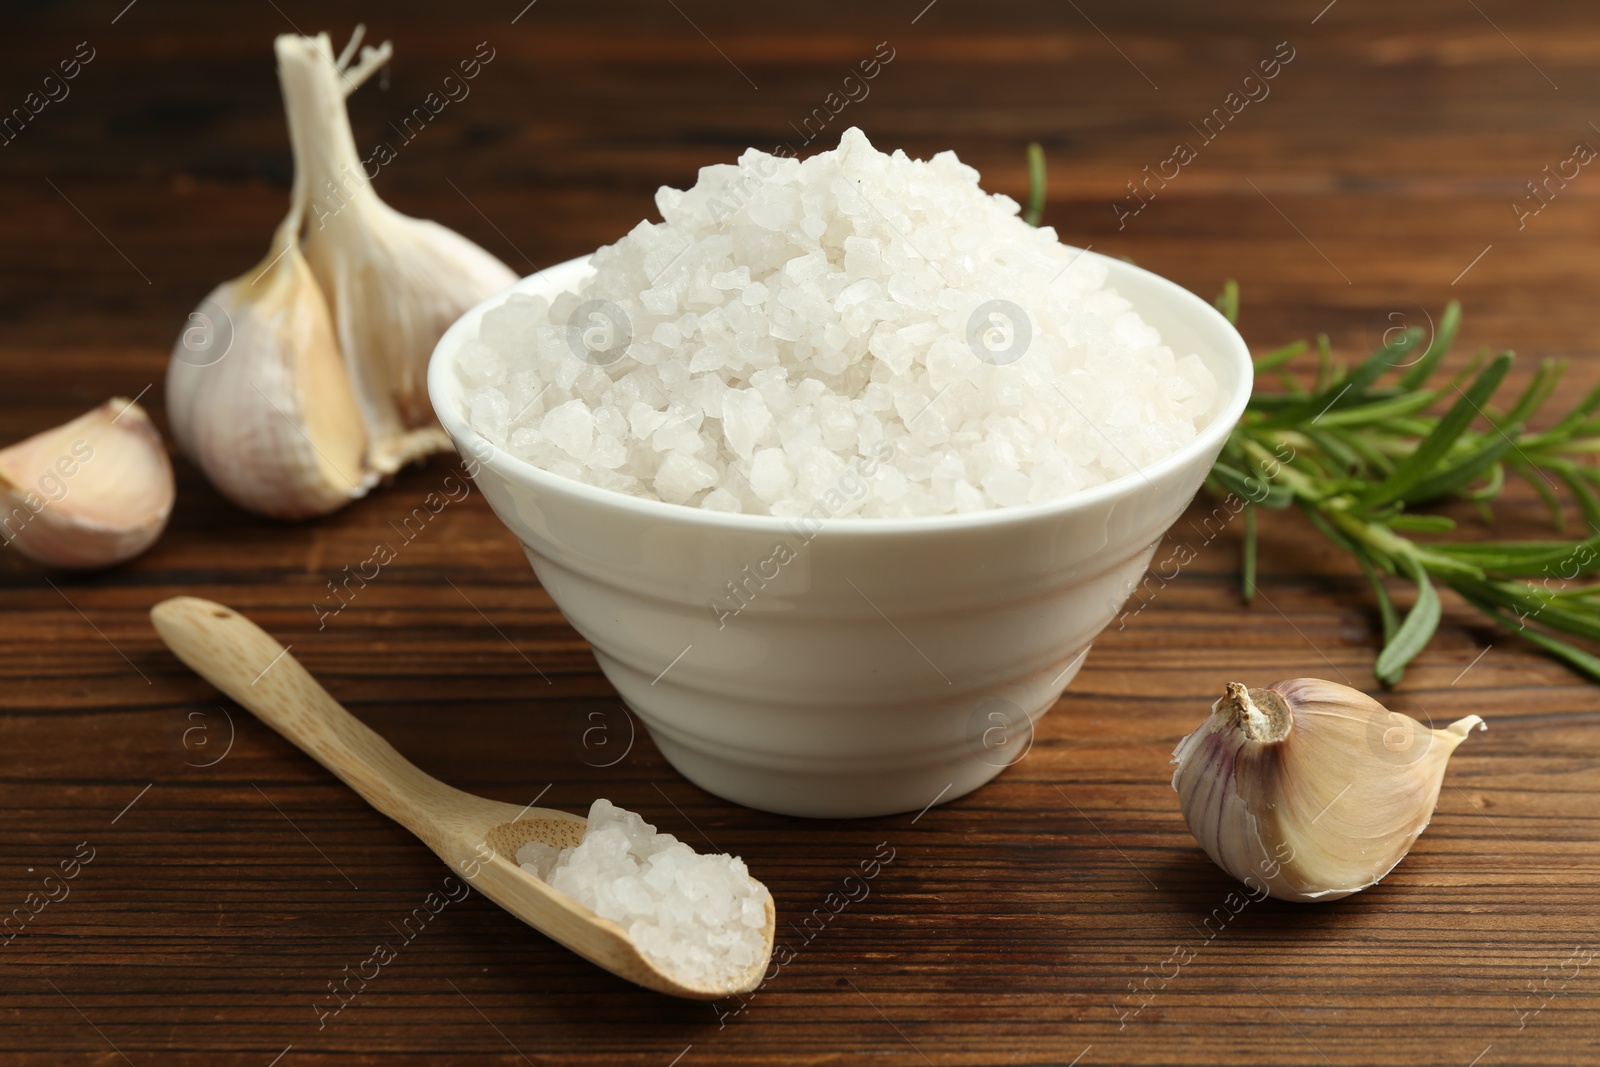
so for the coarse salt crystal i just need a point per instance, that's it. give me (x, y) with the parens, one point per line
(701, 919)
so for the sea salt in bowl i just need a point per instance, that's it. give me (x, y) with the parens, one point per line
(874, 666)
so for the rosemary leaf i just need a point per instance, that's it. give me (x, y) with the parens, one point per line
(1036, 185)
(1279, 356)
(1247, 577)
(1443, 339)
(1433, 448)
(1415, 632)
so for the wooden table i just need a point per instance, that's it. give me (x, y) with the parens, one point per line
(233, 880)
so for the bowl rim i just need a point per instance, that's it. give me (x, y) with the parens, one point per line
(444, 393)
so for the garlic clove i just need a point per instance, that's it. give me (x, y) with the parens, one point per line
(389, 318)
(90, 493)
(1310, 790)
(395, 283)
(258, 395)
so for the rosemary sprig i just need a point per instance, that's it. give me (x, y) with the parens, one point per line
(1361, 448)
(1358, 450)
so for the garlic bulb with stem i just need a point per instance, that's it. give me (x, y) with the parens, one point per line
(90, 493)
(395, 283)
(257, 390)
(300, 383)
(1308, 789)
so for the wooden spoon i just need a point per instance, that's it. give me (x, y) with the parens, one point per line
(475, 836)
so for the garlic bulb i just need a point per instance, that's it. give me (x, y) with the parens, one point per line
(89, 493)
(258, 395)
(395, 283)
(298, 384)
(1310, 790)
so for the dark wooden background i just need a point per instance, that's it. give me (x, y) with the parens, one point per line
(1012, 924)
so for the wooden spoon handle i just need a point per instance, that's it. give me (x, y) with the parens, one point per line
(242, 660)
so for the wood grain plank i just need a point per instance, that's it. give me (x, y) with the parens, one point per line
(1033, 922)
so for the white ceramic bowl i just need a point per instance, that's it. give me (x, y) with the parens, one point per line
(892, 663)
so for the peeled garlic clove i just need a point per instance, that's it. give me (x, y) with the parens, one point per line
(395, 283)
(90, 493)
(258, 395)
(1310, 790)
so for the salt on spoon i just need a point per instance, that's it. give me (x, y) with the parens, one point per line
(673, 949)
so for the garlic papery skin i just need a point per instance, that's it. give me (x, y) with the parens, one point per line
(395, 283)
(1310, 790)
(258, 395)
(92, 492)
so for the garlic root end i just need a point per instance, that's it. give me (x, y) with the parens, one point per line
(1261, 713)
